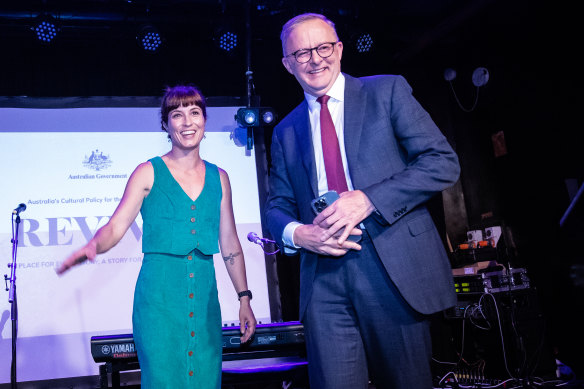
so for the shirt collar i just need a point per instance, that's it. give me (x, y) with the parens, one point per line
(337, 92)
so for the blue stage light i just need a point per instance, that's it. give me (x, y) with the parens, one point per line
(46, 29)
(149, 39)
(228, 41)
(250, 117)
(255, 116)
(364, 43)
(268, 117)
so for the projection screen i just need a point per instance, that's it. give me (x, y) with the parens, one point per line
(69, 166)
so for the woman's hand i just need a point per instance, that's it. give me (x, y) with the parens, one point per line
(89, 251)
(247, 320)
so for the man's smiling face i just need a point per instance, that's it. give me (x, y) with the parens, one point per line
(318, 75)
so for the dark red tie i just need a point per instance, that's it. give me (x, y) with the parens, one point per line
(333, 164)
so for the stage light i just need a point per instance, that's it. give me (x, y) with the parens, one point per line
(149, 39)
(46, 28)
(268, 116)
(255, 116)
(364, 43)
(227, 41)
(249, 118)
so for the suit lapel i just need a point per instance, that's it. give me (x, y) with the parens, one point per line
(355, 102)
(304, 140)
(355, 98)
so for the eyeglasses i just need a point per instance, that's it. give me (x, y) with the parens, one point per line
(324, 50)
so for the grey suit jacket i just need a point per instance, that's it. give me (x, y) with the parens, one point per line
(399, 158)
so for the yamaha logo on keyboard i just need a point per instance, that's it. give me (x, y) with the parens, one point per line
(119, 350)
(113, 347)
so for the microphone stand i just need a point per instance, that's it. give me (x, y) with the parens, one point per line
(12, 297)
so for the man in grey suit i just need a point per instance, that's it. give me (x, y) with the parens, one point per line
(365, 304)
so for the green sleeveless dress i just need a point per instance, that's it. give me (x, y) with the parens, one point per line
(176, 315)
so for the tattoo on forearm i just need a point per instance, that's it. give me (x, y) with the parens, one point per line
(230, 258)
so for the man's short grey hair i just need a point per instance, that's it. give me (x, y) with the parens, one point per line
(297, 20)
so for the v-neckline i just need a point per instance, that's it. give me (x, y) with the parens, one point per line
(180, 186)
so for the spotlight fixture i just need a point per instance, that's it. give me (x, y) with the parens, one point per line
(227, 41)
(364, 43)
(149, 39)
(45, 28)
(255, 117)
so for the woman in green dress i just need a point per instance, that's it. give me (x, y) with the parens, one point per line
(186, 207)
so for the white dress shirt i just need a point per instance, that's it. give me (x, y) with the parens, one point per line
(336, 106)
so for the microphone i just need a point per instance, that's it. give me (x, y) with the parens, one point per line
(254, 238)
(21, 208)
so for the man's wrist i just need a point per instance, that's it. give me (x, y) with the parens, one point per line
(288, 235)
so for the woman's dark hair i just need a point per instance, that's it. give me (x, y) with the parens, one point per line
(181, 95)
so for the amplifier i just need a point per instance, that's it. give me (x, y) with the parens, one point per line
(506, 280)
(469, 284)
(492, 282)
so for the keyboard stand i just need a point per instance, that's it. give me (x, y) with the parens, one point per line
(113, 369)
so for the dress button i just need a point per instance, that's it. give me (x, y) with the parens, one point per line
(193, 334)
(191, 275)
(190, 353)
(193, 207)
(193, 232)
(191, 314)
(190, 257)
(192, 220)
(191, 373)
(191, 295)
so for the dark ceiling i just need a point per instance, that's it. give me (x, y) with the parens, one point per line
(96, 52)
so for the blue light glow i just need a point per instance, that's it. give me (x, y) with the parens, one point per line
(45, 31)
(151, 41)
(364, 43)
(228, 41)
